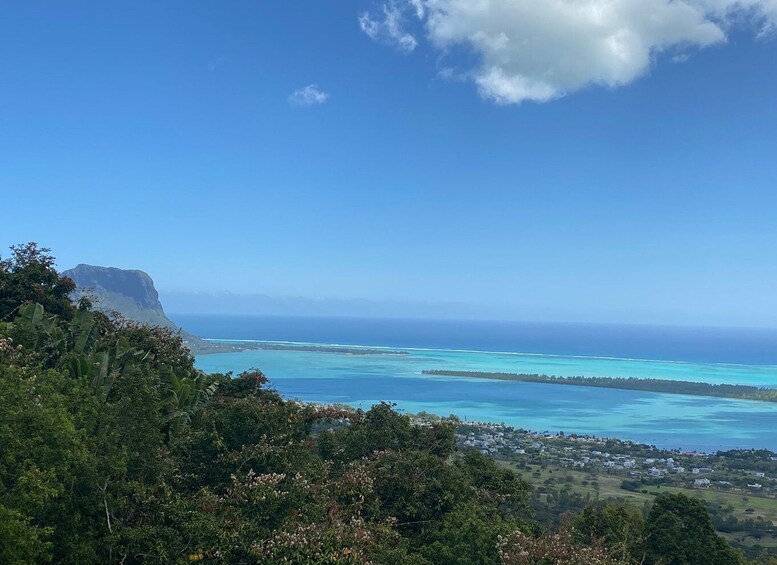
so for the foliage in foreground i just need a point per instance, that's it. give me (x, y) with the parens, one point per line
(114, 448)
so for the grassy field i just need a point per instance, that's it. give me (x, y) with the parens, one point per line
(760, 506)
(581, 482)
(608, 487)
(604, 487)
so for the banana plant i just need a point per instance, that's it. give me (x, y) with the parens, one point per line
(83, 333)
(85, 355)
(103, 367)
(185, 395)
(35, 329)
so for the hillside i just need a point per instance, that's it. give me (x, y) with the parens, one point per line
(116, 449)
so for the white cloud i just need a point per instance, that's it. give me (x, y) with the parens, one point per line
(539, 50)
(390, 26)
(419, 7)
(762, 14)
(310, 95)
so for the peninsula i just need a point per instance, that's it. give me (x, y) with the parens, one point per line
(740, 392)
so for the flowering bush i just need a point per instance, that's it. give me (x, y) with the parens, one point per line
(557, 548)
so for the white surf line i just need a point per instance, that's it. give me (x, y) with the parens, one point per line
(515, 353)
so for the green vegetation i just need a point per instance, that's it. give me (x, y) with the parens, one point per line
(744, 517)
(115, 449)
(742, 392)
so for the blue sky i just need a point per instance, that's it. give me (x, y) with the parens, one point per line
(439, 156)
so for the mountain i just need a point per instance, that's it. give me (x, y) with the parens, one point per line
(130, 293)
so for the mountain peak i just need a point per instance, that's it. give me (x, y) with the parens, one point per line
(104, 282)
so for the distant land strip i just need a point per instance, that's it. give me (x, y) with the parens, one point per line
(343, 349)
(740, 392)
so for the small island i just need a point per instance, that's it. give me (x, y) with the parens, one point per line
(740, 392)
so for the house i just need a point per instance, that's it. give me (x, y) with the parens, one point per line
(701, 483)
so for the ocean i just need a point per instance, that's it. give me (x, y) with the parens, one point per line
(713, 355)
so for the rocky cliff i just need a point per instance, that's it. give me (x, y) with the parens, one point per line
(130, 293)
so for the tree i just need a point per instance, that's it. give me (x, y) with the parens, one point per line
(382, 428)
(468, 535)
(557, 548)
(415, 488)
(619, 528)
(114, 448)
(504, 488)
(29, 276)
(42, 455)
(679, 531)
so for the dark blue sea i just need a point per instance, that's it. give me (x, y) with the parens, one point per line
(668, 343)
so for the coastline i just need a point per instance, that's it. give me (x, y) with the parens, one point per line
(332, 373)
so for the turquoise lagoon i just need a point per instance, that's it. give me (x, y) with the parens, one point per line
(665, 420)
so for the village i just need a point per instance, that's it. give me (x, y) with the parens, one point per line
(747, 472)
